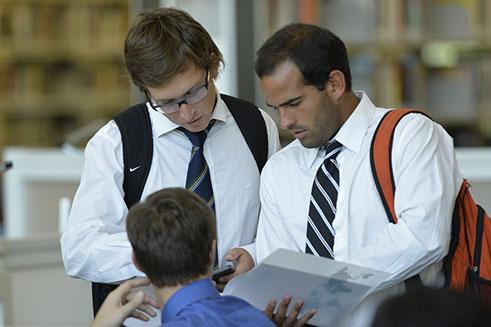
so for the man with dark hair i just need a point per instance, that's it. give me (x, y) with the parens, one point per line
(173, 237)
(194, 137)
(318, 195)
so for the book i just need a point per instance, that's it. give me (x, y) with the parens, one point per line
(330, 287)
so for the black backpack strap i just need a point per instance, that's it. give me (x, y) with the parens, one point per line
(136, 136)
(252, 126)
(99, 293)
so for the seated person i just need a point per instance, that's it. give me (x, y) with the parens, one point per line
(173, 235)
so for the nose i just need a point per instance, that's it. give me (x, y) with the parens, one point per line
(186, 111)
(287, 118)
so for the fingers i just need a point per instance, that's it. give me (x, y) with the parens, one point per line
(306, 317)
(282, 310)
(147, 300)
(139, 315)
(269, 310)
(233, 254)
(243, 262)
(150, 301)
(292, 317)
(146, 309)
(135, 301)
(138, 306)
(127, 286)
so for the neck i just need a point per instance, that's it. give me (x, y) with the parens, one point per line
(348, 102)
(163, 294)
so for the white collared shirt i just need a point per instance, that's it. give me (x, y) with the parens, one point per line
(427, 182)
(94, 243)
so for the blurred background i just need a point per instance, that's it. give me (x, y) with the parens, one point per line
(62, 77)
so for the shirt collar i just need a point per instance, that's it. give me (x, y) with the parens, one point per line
(351, 134)
(162, 125)
(196, 291)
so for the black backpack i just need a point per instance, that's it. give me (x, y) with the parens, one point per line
(136, 135)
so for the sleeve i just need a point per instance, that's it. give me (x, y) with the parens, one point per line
(273, 147)
(94, 243)
(272, 232)
(427, 182)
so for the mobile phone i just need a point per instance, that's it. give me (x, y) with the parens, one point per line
(224, 270)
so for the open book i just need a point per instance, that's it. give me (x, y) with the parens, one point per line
(332, 288)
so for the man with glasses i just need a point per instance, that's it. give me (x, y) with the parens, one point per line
(198, 143)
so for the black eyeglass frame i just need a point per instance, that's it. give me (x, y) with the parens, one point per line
(174, 106)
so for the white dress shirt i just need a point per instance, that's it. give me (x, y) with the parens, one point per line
(94, 243)
(427, 182)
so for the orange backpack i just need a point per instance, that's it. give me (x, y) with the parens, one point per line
(467, 266)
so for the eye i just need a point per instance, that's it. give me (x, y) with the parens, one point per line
(164, 103)
(295, 103)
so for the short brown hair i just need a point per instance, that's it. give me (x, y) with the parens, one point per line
(172, 233)
(163, 42)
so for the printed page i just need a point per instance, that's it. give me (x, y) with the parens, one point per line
(332, 288)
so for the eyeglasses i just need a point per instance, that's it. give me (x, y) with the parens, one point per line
(193, 97)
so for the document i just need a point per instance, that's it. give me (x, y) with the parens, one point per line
(332, 288)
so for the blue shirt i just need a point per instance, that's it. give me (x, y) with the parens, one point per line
(200, 304)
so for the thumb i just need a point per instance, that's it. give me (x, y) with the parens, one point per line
(135, 301)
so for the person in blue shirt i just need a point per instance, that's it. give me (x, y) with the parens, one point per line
(173, 237)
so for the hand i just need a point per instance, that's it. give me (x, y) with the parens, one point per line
(281, 320)
(123, 302)
(243, 262)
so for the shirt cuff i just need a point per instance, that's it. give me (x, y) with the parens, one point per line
(251, 248)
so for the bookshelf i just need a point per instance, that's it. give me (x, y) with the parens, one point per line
(61, 67)
(434, 55)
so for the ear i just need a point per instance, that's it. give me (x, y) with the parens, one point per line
(214, 67)
(335, 85)
(135, 262)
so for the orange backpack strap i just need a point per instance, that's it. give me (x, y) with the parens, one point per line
(381, 158)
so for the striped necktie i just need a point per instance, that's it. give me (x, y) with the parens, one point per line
(198, 177)
(320, 232)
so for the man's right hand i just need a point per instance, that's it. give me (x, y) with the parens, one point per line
(281, 319)
(123, 302)
(243, 263)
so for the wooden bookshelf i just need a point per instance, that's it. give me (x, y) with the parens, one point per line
(434, 55)
(61, 66)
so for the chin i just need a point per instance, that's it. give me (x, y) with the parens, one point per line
(310, 144)
(306, 144)
(196, 127)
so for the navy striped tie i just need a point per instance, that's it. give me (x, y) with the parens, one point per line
(198, 178)
(320, 232)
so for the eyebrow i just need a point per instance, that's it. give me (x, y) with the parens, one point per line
(193, 88)
(286, 102)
